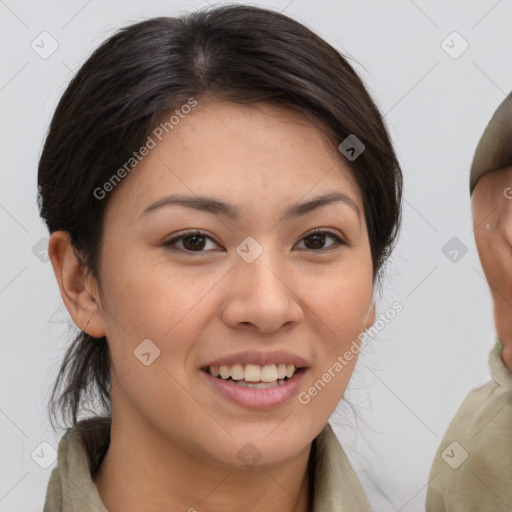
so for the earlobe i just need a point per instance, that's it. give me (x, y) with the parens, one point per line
(75, 286)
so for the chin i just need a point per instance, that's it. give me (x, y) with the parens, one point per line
(259, 448)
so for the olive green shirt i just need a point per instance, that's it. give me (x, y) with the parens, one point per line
(472, 470)
(71, 487)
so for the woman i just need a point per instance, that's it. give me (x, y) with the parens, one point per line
(221, 194)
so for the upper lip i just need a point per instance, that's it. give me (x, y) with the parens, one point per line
(259, 358)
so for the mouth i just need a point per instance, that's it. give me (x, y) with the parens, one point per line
(254, 376)
(254, 379)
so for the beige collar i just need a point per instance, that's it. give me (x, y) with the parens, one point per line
(499, 372)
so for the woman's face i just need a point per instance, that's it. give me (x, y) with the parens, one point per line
(256, 287)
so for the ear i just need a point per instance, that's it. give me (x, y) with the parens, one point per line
(79, 291)
(370, 319)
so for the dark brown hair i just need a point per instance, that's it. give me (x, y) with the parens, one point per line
(237, 53)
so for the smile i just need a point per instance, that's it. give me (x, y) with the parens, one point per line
(253, 386)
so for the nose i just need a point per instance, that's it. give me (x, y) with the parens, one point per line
(262, 296)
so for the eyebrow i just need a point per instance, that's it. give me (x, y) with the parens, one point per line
(218, 207)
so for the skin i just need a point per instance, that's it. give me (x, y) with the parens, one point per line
(174, 440)
(492, 220)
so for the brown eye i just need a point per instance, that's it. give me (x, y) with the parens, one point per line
(190, 242)
(194, 242)
(316, 240)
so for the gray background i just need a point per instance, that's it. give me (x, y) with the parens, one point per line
(411, 379)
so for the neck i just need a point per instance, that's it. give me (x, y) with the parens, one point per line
(142, 471)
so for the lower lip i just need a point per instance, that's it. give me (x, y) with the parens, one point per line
(257, 398)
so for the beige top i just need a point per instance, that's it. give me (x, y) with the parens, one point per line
(71, 487)
(472, 470)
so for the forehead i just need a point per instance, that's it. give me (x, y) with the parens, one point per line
(241, 151)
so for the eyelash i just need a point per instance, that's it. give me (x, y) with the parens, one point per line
(171, 244)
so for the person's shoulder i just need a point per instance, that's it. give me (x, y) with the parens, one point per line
(496, 393)
(80, 452)
(490, 402)
(94, 436)
(336, 486)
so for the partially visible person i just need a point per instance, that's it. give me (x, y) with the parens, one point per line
(472, 470)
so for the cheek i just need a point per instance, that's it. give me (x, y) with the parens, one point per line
(170, 307)
(152, 303)
(342, 299)
(150, 297)
(340, 308)
(490, 251)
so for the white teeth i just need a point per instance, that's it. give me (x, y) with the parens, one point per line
(225, 372)
(237, 372)
(269, 373)
(252, 373)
